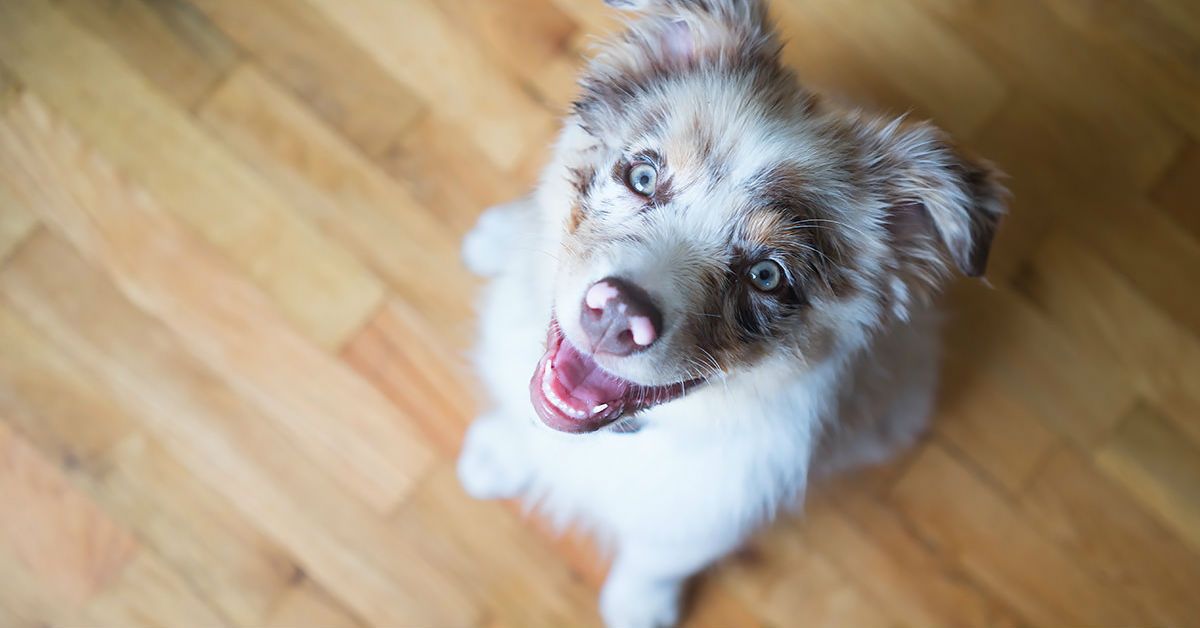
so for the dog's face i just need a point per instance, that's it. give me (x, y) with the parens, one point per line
(713, 217)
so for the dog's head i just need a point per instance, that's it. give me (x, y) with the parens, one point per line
(714, 217)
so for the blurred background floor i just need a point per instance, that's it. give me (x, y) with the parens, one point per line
(232, 315)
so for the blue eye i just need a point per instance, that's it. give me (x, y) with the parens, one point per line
(765, 276)
(642, 178)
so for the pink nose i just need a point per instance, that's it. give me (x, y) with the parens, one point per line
(619, 317)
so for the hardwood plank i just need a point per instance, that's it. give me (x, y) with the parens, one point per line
(16, 220)
(16, 223)
(148, 593)
(59, 535)
(967, 519)
(70, 420)
(1090, 302)
(528, 38)
(595, 20)
(994, 430)
(1150, 249)
(171, 43)
(193, 528)
(1161, 468)
(536, 589)
(1145, 48)
(346, 195)
(557, 84)
(1183, 14)
(10, 87)
(878, 549)
(709, 604)
(157, 144)
(1108, 532)
(1179, 187)
(24, 598)
(400, 354)
(316, 62)
(418, 45)
(994, 335)
(49, 403)
(382, 575)
(1018, 39)
(828, 64)
(63, 561)
(342, 423)
(959, 90)
(786, 581)
(142, 594)
(9, 617)
(1093, 158)
(307, 605)
(449, 175)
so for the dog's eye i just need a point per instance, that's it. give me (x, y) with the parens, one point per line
(765, 276)
(642, 178)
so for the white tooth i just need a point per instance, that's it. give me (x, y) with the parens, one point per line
(600, 408)
(555, 400)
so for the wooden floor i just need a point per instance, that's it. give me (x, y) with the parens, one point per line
(232, 318)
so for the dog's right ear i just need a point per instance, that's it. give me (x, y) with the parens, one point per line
(937, 194)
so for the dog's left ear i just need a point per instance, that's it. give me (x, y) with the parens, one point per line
(681, 29)
(933, 189)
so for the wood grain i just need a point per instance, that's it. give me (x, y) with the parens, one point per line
(233, 319)
(1160, 467)
(170, 43)
(297, 46)
(124, 231)
(148, 138)
(17, 221)
(340, 190)
(496, 116)
(209, 427)
(1041, 580)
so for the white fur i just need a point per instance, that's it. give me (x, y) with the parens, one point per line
(845, 380)
(706, 470)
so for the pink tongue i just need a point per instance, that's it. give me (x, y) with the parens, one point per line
(584, 379)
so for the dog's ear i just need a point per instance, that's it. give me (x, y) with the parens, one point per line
(936, 195)
(683, 28)
(670, 37)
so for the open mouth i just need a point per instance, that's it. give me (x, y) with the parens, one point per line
(572, 393)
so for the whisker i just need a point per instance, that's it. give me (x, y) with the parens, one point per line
(830, 220)
(701, 314)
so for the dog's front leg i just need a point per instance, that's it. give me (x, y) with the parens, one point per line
(645, 585)
(495, 462)
(500, 230)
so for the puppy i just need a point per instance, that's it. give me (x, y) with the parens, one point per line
(719, 290)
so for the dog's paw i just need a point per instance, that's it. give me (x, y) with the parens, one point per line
(493, 463)
(488, 245)
(627, 602)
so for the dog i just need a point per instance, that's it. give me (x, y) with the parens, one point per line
(721, 288)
